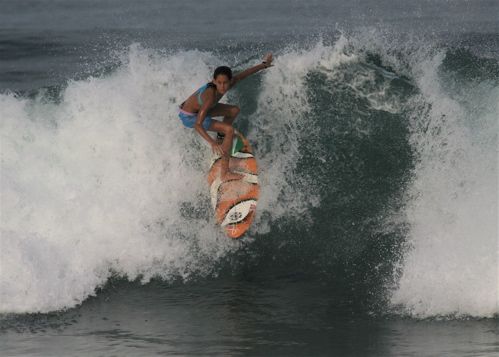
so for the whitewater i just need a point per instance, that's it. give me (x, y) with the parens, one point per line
(100, 180)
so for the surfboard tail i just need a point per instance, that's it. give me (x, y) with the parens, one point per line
(235, 201)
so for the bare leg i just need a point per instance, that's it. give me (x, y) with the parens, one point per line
(228, 131)
(231, 115)
(229, 112)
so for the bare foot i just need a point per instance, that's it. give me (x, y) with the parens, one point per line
(231, 176)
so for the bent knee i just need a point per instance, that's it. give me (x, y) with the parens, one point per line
(228, 129)
(234, 111)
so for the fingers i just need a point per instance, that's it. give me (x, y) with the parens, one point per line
(268, 59)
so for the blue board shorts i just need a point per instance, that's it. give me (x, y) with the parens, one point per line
(189, 119)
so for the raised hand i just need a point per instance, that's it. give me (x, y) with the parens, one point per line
(268, 59)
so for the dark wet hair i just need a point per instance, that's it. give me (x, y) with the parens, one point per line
(226, 71)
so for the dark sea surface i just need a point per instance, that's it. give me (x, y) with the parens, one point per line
(376, 137)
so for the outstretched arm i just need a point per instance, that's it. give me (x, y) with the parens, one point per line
(267, 62)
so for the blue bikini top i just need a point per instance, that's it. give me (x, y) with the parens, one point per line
(202, 89)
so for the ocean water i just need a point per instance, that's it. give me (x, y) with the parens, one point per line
(376, 136)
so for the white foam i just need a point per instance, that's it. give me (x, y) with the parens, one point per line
(451, 266)
(100, 183)
(281, 124)
(97, 184)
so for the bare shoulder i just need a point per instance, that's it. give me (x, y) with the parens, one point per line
(234, 80)
(209, 94)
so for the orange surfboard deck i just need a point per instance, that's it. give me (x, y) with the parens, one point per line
(235, 201)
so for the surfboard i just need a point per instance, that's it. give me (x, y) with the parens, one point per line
(234, 201)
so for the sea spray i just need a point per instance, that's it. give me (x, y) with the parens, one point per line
(105, 180)
(102, 182)
(283, 126)
(449, 266)
(353, 139)
(452, 258)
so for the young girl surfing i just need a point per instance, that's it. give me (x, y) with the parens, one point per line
(197, 112)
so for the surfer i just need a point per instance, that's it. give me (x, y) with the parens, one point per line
(197, 111)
